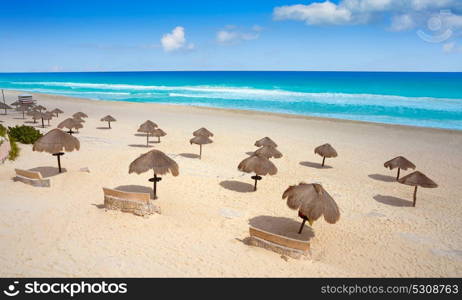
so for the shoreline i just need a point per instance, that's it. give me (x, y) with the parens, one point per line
(256, 112)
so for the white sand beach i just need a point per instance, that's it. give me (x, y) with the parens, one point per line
(206, 210)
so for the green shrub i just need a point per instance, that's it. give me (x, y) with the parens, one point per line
(2, 130)
(24, 134)
(14, 152)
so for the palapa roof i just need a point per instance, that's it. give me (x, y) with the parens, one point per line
(158, 132)
(70, 123)
(108, 118)
(80, 115)
(16, 103)
(57, 110)
(40, 107)
(154, 160)
(56, 141)
(202, 132)
(268, 152)
(266, 141)
(48, 115)
(4, 106)
(399, 162)
(418, 179)
(312, 200)
(325, 150)
(200, 140)
(147, 127)
(257, 164)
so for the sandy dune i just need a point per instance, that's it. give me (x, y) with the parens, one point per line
(62, 231)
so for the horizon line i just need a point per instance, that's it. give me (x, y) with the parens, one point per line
(320, 71)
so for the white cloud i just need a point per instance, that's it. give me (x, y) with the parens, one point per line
(231, 35)
(175, 40)
(402, 22)
(317, 13)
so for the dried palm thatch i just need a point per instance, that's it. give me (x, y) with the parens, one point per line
(16, 103)
(157, 161)
(23, 109)
(399, 162)
(259, 165)
(312, 201)
(417, 179)
(70, 123)
(268, 152)
(108, 119)
(80, 115)
(200, 140)
(203, 132)
(79, 119)
(158, 133)
(147, 127)
(55, 142)
(57, 111)
(266, 141)
(47, 116)
(5, 107)
(40, 108)
(325, 150)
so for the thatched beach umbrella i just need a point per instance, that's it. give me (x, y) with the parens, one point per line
(266, 141)
(108, 119)
(158, 133)
(34, 114)
(325, 150)
(203, 132)
(312, 201)
(200, 140)
(268, 152)
(80, 115)
(23, 109)
(56, 141)
(79, 119)
(399, 162)
(40, 108)
(417, 179)
(70, 123)
(5, 107)
(16, 103)
(147, 127)
(259, 165)
(48, 115)
(158, 162)
(57, 111)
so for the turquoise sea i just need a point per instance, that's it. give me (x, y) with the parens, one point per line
(418, 99)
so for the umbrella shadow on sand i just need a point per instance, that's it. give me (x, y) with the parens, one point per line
(314, 165)
(381, 177)
(189, 155)
(282, 226)
(139, 145)
(140, 134)
(237, 186)
(48, 171)
(103, 127)
(393, 201)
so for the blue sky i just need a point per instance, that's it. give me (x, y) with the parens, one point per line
(71, 35)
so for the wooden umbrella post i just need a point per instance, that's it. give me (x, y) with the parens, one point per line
(147, 139)
(323, 160)
(200, 151)
(43, 124)
(155, 180)
(415, 196)
(58, 155)
(397, 176)
(301, 227)
(109, 123)
(256, 178)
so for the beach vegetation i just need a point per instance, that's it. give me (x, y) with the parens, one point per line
(5, 138)
(24, 134)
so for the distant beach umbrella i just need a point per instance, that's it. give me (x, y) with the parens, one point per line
(55, 142)
(108, 119)
(200, 140)
(203, 132)
(23, 109)
(48, 115)
(79, 119)
(266, 141)
(312, 201)
(40, 108)
(417, 179)
(80, 115)
(16, 103)
(57, 111)
(70, 123)
(5, 107)
(147, 127)
(34, 114)
(399, 162)
(259, 165)
(325, 150)
(268, 152)
(158, 133)
(157, 161)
